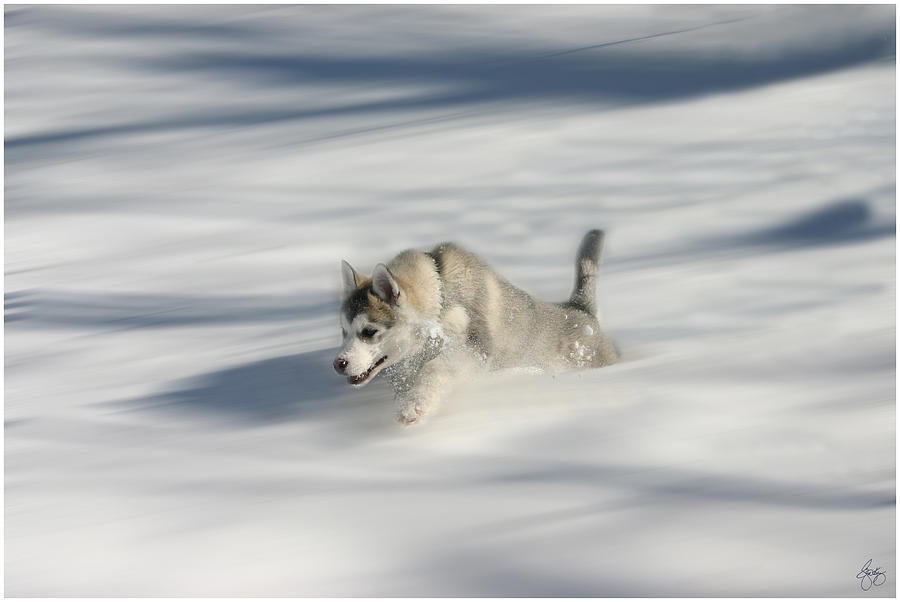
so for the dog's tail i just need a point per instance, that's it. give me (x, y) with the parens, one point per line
(584, 295)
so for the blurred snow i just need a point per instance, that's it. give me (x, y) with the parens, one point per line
(182, 182)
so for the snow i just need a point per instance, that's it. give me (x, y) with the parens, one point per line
(183, 181)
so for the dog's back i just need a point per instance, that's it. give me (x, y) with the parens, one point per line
(509, 328)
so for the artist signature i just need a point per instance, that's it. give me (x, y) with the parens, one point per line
(869, 577)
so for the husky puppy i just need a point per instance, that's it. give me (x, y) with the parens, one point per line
(428, 318)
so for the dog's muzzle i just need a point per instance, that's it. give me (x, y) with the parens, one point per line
(361, 378)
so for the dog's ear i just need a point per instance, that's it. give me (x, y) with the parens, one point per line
(384, 285)
(350, 278)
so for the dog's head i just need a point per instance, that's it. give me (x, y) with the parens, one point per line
(375, 325)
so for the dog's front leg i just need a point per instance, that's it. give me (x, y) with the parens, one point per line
(414, 405)
(432, 381)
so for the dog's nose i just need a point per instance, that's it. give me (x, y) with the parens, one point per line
(340, 364)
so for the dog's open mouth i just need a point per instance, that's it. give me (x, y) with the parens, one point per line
(361, 378)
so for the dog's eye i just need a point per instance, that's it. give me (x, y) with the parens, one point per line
(368, 333)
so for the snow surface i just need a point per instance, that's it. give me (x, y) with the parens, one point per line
(182, 182)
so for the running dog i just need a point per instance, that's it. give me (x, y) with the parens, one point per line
(428, 318)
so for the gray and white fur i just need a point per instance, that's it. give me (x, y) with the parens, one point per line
(427, 318)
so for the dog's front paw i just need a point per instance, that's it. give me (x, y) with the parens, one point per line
(409, 415)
